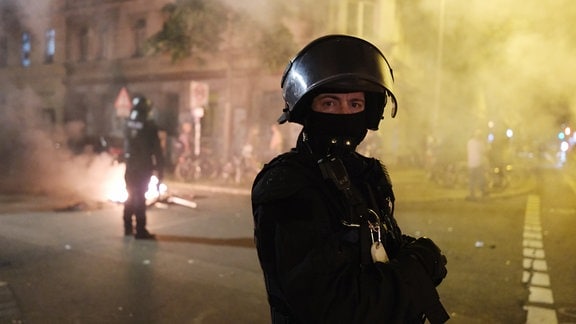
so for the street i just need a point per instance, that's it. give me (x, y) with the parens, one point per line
(74, 265)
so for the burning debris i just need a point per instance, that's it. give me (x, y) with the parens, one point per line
(180, 201)
(115, 191)
(157, 193)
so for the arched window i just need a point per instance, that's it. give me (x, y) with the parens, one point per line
(26, 49)
(50, 49)
(139, 37)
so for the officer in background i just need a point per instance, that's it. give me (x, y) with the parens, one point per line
(143, 155)
(327, 241)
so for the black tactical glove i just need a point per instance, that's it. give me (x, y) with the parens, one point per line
(429, 256)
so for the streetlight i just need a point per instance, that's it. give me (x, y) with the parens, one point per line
(509, 133)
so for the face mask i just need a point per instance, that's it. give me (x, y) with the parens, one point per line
(335, 133)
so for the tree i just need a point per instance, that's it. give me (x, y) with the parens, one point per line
(191, 25)
(276, 47)
(200, 26)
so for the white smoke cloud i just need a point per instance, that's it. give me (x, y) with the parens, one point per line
(35, 158)
(509, 62)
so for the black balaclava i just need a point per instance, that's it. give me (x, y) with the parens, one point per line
(334, 134)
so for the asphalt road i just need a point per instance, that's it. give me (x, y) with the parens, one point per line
(74, 266)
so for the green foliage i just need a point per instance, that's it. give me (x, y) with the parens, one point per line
(191, 25)
(198, 26)
(276, 47)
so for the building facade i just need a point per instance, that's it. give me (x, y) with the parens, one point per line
(71, 59)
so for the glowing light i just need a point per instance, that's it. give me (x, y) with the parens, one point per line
(117, 190)
(118, 194)
(155, 188)
(509, 133)
(564, 146)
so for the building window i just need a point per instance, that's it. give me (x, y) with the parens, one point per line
(50, 46)
(26, 49)
(139, 37)
(83, 44)
(3, 51)
(103, 43)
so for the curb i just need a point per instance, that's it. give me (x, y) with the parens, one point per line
(409, 186)
(177, 187)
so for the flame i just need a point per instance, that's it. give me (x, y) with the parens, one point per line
(155, 188)
(116, 191)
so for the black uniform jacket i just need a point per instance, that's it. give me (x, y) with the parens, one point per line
(313, 265)
(143, 151)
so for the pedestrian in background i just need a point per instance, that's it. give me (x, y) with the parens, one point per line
(144, 156)
(327, 241)
(477, 159)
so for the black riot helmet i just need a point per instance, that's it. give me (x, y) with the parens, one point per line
(338, 63)
(141, 107)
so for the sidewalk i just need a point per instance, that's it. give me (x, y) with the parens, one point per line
(410, 185)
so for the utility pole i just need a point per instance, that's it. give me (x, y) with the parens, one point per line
(228, 104)
(439, 59)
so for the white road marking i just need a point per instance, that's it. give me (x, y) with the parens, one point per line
(541, 295)
(540, 265)
(539, 315)
(540, 305)
(540, 279)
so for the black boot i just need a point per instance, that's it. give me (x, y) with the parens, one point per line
(144, 235)
(128, 227)
(128, 231)
(141, 231)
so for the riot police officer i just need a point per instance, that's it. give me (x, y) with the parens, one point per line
(327, 241)
(143, 155)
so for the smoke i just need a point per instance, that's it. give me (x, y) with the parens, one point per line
(458, 66)
(34, 156)
(259, 10)
(463, 64)
(34, 153)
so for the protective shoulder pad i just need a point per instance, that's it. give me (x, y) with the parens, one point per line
(281, 178)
